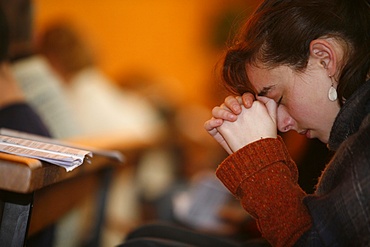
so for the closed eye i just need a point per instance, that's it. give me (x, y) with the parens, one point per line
(279, 101)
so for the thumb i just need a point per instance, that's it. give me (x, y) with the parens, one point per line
(271, 106)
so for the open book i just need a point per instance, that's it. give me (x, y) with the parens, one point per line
(50, 150)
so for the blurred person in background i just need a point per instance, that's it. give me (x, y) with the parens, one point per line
(108, 111)
(99, 104)
(39, 84)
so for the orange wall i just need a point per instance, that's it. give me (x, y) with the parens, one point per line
(165, 38)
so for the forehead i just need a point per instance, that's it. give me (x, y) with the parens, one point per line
(260, 79)
(264, 80)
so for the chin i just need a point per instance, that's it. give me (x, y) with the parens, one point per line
(323, 140)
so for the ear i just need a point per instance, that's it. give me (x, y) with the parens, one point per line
(323, 51)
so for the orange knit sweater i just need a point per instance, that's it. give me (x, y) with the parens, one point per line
(264, 178)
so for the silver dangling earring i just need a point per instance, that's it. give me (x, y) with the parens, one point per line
(332, 94)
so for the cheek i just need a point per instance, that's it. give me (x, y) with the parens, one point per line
(300, 111)
(311, 116)
(302, 105)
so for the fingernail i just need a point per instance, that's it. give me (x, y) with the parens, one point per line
(232, 116)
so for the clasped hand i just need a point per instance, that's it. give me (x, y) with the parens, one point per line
(242, 120)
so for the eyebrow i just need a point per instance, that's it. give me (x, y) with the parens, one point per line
(265, 90)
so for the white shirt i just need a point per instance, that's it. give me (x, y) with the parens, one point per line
(101, 107)
(44, 92)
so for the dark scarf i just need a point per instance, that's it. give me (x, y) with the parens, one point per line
(350, 116)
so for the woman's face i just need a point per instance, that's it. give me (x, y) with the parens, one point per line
(303, 100)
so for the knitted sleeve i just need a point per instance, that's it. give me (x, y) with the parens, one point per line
(265, 179)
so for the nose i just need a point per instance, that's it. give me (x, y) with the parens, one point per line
(284, 121)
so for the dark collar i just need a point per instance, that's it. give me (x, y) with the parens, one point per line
(350, 116)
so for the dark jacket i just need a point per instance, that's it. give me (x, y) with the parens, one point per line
(21, 117)
(340, 207)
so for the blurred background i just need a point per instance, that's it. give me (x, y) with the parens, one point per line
(167, 51)
(175, 43)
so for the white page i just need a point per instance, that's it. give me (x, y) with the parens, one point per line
(116, 155)
(67, 157)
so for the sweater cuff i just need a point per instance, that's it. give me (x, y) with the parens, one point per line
(264, 177)
(252, 158)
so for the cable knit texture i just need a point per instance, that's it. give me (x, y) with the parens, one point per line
(264, 177)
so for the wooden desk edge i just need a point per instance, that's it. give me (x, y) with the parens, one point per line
(25, 175)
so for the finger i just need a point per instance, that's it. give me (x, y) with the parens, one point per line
(212, 124)
(239, 99)
(233, 103)
(220, 112)
(220, 138)
(247, 99)
(271, 106)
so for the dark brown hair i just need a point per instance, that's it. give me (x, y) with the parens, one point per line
(279, 32)
(63, 42)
